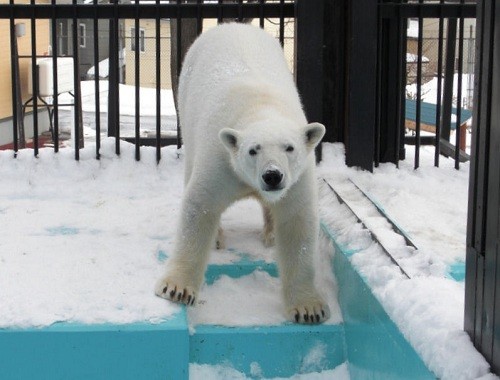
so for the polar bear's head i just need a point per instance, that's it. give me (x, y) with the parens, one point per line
(271, 158)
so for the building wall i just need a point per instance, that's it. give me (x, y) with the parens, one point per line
(430, 44)
(24, 47)
(86, 50)
(148, 57)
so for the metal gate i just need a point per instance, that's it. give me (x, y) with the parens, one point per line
(482, 300)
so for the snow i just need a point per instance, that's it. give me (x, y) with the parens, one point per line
(208, 372)
(431, 205)
(429, 90)
(127, 99)
(86, 241)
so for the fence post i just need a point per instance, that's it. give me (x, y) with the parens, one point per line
(335, 68)
(309, 69)
(361, 83)
(391, 89)
(482, 301)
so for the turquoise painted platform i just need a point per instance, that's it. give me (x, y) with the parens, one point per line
(368, 340)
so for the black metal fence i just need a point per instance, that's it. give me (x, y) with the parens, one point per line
(354, 62)
(393, 102)
(376, 53)
(114, 12)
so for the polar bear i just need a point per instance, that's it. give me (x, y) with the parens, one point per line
(245, 134)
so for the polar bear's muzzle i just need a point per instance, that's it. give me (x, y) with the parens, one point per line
(273, 180)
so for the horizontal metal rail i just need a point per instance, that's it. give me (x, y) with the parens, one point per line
(423, 10)
(145, 10)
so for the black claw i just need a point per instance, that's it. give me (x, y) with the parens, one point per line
(189, 300)
(165, 289)
(323, 313)
(172, 292)
(317, 318)
(184, 294)
(297, 317)
(192, 301)
(179, 296)
(306, 317)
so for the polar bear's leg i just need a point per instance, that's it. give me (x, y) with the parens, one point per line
(268, 231)
(297, 229)
(200, 217)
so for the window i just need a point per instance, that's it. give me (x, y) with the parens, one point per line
(142, 38)
(82, 35)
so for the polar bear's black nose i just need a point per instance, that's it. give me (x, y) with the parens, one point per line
(272, 178)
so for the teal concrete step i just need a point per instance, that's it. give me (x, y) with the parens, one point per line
(375, 348)
(270, 351)
(75, 351)
(368, 340)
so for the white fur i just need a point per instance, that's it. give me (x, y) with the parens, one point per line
(241, 118)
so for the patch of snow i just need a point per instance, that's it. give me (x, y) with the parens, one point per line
(431, 205)
(218, 372)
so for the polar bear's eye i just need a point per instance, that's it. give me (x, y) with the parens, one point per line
(252, 152)
(290, 148)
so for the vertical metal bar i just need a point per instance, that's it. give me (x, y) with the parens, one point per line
(199, 17)
(14, 78)
(76, 80)
(158, 81)
(419, 87)
(179, 64)
(378, 91)
(55, 84)
(220, 16)
(282, 23)
(137, 82)
(240, 11)
(401, 88)
(97, 85)
(261, 13)
(34, 77)
(437, 149)
(116, 69)
(459, 86)
(451, 40)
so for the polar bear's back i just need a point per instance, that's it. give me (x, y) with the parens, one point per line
(219, 58)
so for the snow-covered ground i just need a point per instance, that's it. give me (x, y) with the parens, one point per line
(85, 241)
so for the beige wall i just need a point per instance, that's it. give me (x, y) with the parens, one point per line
(24, 46)
(148, 57)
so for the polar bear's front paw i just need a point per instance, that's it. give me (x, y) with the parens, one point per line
(309, 313)
(176, 293)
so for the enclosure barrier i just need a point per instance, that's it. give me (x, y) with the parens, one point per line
(351, 70)
(352, 66)
(113, 12)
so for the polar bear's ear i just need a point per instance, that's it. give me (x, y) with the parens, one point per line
(314, 133)
(229, 138)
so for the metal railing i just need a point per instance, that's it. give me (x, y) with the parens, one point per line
(353, 66)
(115, 12)
(396, 61)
